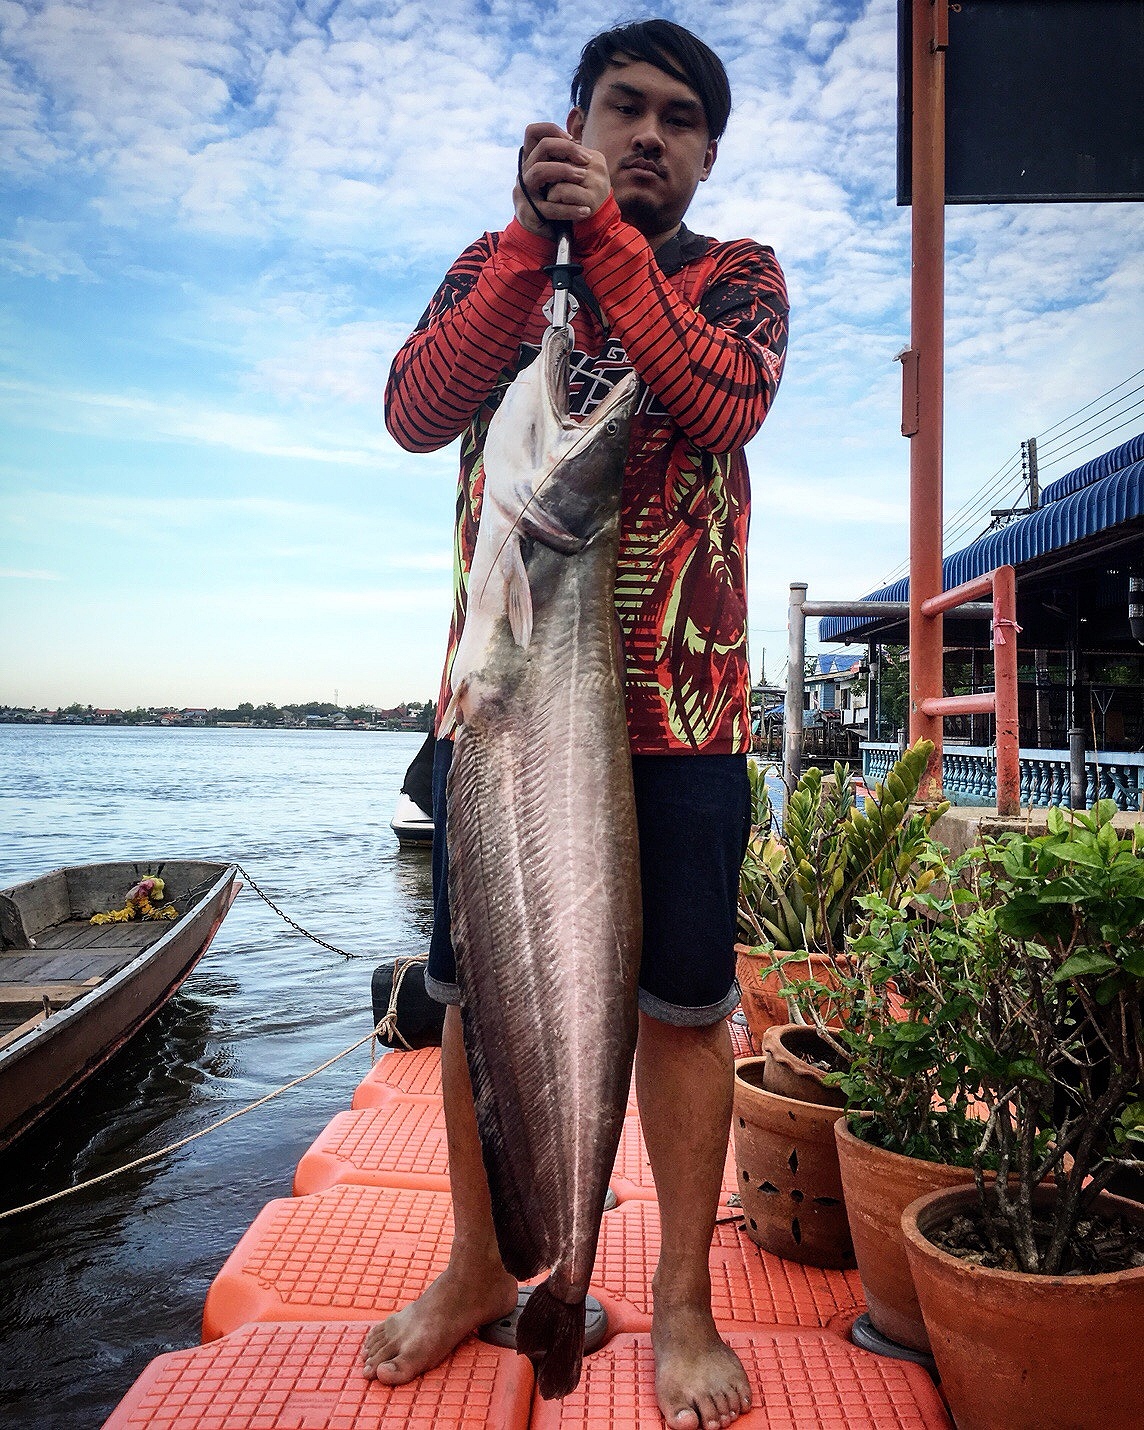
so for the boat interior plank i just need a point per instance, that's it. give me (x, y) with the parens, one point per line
(68, 966)
(54, 992)
(79, 933)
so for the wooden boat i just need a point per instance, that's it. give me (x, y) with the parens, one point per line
(72, 993)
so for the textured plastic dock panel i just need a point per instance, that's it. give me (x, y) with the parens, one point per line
(347, 1254)
(308, 1377)
(748, 1285)
(415, 1074)
(398, 1144)
(801, 1380)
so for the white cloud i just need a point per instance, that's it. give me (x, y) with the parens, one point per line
(267, 194)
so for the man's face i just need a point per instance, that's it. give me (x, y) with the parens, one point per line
(652, 131)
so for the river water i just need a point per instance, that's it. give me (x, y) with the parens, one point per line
(93, 1287)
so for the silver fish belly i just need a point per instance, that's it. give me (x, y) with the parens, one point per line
(543, 852)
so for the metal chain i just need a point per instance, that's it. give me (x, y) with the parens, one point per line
(285, 917)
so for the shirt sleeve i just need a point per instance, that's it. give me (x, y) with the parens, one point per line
(716, 368)
(469, 333)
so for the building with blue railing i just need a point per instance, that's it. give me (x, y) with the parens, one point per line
(1079, 561)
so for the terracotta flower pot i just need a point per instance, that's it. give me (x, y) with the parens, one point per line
(764, 1006)
(1023, 1352)
(786, 1049)
(878, 1186)
(788, 1173)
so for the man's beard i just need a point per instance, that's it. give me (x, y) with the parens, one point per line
(648, 216)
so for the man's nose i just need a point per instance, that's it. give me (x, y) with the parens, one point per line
(648, 137)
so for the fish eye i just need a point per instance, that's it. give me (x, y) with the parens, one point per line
(611, 429)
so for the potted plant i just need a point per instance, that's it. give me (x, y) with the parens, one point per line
(800, 887)
(799, 894)
(888, 1011)
(914, 974)
(1031, 1282)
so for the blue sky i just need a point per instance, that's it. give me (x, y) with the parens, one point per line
(219, 218)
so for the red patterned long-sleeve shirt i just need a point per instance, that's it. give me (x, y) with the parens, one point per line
(704, 324)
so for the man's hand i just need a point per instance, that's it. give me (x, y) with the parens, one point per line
(565, 181)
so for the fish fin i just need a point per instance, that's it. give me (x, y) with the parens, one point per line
(518, 593)
(550, 1332)
(542, 526)
(452, 716)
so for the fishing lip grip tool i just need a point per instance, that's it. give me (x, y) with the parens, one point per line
(563, 272)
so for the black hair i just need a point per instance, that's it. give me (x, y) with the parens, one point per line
(670, 48)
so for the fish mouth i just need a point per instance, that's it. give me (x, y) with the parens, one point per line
(615, 407)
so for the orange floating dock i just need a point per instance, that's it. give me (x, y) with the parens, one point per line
(399, 1143)
(308, 1377)
(803, 1380)
(370, 1226)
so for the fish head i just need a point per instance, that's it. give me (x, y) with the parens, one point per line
(580, 485)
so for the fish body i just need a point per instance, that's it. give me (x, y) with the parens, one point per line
(543, 852)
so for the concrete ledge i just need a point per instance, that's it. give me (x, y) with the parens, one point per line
(963, 827)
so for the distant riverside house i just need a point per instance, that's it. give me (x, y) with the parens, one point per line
(196, 716)
(837, 690)
(103, 717)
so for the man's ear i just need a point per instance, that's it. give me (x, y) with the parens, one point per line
(709, 159)
(575, 123)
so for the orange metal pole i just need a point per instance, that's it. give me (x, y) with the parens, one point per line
(927, 340)
(1005, 689)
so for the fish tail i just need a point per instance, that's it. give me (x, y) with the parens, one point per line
(550, 1333)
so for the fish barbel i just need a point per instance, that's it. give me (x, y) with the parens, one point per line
(544, 889)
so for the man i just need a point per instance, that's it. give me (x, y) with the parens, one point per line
(704, 326)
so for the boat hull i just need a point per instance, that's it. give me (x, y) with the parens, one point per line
(47, 1058)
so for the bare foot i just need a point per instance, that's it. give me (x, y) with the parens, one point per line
(700, 1382)
(420, 1335)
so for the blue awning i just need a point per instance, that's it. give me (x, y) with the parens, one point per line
(1104, 493)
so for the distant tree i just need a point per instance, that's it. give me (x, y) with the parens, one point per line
(894, 690)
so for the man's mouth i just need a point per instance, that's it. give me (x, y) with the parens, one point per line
(644, 166)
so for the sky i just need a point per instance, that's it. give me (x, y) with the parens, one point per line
(220, 218)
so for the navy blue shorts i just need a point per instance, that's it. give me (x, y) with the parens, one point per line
(694, 817)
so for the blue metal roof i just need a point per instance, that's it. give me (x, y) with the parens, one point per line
(1102, 494)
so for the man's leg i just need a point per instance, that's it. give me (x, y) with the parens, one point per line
(474, 1288)
(685, 1084)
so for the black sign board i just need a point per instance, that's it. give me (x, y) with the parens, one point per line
(1044, 100)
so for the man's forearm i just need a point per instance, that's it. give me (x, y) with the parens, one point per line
(717, 379)
(446, 369)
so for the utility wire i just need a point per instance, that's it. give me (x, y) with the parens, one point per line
(1009, 479)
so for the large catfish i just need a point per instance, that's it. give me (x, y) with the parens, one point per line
(544, 887)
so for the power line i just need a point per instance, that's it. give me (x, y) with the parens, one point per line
(1008, 480)
(1113, 424)
(1138, 373)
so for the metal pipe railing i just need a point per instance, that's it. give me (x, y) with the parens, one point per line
(1000, 586)
(1001, 702)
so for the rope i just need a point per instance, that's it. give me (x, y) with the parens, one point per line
(183, 1141)
(387, 1030)
(285, 917)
